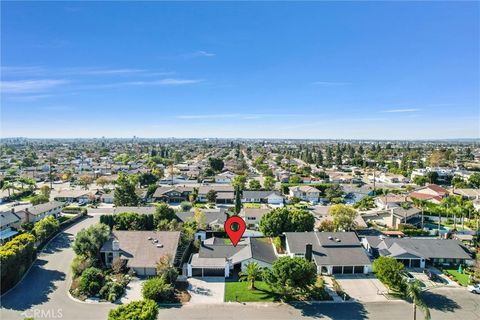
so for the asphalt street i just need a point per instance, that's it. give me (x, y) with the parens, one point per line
(43, 294)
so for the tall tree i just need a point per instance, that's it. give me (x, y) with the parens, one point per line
(413, 292)
(125, 192)
(343, 217)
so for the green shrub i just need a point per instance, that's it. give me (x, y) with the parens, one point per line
(157, 289)
(138, 310)
(16, 256)
(45, 228)
(91, 281)
(185, 206)
(111, 291)
(81, 263)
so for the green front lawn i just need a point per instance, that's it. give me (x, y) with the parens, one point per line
(461, 278)
(238, 291)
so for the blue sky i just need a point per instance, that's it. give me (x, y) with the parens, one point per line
(380, 70)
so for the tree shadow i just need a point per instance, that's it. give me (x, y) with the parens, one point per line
(34, 289)
(439, 302)
(61, 242)
(338, 311)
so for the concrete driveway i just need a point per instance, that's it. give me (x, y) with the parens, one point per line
(363, 288)
(133, 291)
(208, 290)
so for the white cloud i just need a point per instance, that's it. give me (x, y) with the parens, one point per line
(30, 97)
(162, 82)
(400, 110)
(199, 53)
(22, 86)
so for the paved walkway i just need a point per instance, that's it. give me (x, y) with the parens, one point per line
(209, 290)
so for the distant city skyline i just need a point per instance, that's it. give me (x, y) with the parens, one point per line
(316, 70)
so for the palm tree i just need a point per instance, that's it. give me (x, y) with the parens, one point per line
(421, 204)
(252, 272)
(8, 186)
(413, 292)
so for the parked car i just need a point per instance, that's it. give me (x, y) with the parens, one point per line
(474, 288)
(408, 276)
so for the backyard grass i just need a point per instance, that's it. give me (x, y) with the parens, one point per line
(238, 291)
(459, 277)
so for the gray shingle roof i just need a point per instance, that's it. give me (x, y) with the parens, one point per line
(259, 194)
(8, 217)
(426, 248)
(329, 248)
(210, 217)
(44, 207)
(139, 250)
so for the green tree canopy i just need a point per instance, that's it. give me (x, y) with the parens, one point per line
(45, 228)
(89, 241)
(125, 192)
(139, 310)
(390, 272)
(291, 275)
(343, 217)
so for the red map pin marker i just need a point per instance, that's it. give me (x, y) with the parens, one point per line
(235, 227)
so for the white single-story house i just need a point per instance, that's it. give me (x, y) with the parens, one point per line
(219, 258)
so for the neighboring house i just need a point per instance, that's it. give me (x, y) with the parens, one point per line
(332, 252)
(80, 196)
(432, 193)
(418, 253)
(141, 249)
(172, 194)
(252, 216)
(224, 177)
(3, 196)
(269, 196)
(321, 213)
(470, 194)
(36, 213)
(9, 222)
(214, 220)
(217, 257)
(305, 193)
(393, 217)
(390, 201)
(107, 197)
(225, 194)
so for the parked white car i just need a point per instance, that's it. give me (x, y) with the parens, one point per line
(474, 288)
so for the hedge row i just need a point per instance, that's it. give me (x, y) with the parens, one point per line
(16, 256)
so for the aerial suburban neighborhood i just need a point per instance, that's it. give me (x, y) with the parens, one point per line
(161, 236)
(239, 160)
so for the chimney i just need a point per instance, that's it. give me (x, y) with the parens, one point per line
(115, 245)
(308, 252)
(27, 215)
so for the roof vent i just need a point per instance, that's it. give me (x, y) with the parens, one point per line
(330, 238)
(149, 238)
(338, 240)
(155, 241)
(159, 245)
